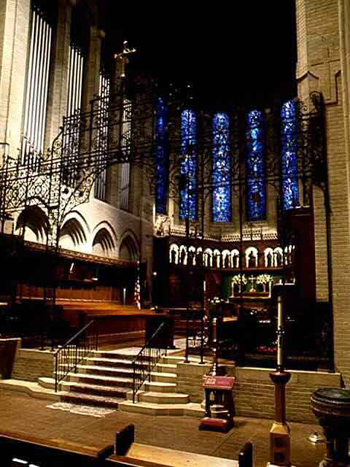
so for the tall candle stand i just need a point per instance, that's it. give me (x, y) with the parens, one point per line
(280, 451)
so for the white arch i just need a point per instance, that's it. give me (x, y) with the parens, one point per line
(226, 263)
(208, 258)
(252, 251)
(192, 250)
(183, 254)
(216, 257)
(235, 258)
(36, 223)
(268, 251)
(277, 256)
(129, 246)
(174, 248)
(103, 243)
(72, 234)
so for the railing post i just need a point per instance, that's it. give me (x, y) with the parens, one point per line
(56, 372)
(202, 338)
(134, 382)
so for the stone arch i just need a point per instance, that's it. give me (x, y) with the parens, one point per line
(128, 247)
(174, 253)
(72, 234)
(192, 255)
(251, 257)
(35, 222)
(103, 243)
(269, 257)
(183, 255)
(226, 259)
(278, 256)
(235, 258)
(208, 258)
(217, 258)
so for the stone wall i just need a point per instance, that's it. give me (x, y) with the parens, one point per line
(322, 66)
(32, 364)
(254, 390)
(190, 380)
(8, 348)
(254, 393)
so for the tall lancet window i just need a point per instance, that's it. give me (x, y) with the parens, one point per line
(188, 192)
(125, 172)
(161, 158)
(221, 169)
(289, 162)
(37, 82)
(102, 136)
(255, 166)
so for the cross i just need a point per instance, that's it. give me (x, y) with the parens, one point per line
(325, 67)
(123, 57)
(252, 279)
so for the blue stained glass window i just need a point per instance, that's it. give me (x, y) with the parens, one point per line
(221, 169)
(256, 180)
(161, 158)
(188, 193)
(289, 163)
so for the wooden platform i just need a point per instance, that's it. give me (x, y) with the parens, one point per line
(79, 311)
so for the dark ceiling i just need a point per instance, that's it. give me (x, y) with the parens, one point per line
(230, 51)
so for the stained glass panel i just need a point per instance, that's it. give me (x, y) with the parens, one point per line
(256, 180)
(188, 193)
(161, 156)
(221, 169)
(289, 163)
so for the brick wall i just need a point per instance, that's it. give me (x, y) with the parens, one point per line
(32, 364)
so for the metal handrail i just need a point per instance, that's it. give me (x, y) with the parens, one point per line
(147, 359)
(68, 356)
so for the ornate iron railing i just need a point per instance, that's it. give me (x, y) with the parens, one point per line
(68, 357)
(148, 357)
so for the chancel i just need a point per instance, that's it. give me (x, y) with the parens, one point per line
(146, 228)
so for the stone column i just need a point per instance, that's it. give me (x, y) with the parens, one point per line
(14, 38)
(320, 40)
(93, 66)
(57, 101)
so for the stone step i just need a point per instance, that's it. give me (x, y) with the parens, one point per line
(120, 382)
(113, 362)
(95, 390)
(163, 398)
(85, 388)
(89, 399)
(172, 359)
(190, 409)
(126, 382)
(127, 372)
(167, 368)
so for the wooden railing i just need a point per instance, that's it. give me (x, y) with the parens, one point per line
(68, 357)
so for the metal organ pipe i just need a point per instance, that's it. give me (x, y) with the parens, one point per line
(37, 84)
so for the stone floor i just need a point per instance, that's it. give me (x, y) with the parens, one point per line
(26, 415)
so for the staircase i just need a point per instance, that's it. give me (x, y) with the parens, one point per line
(105, 379)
